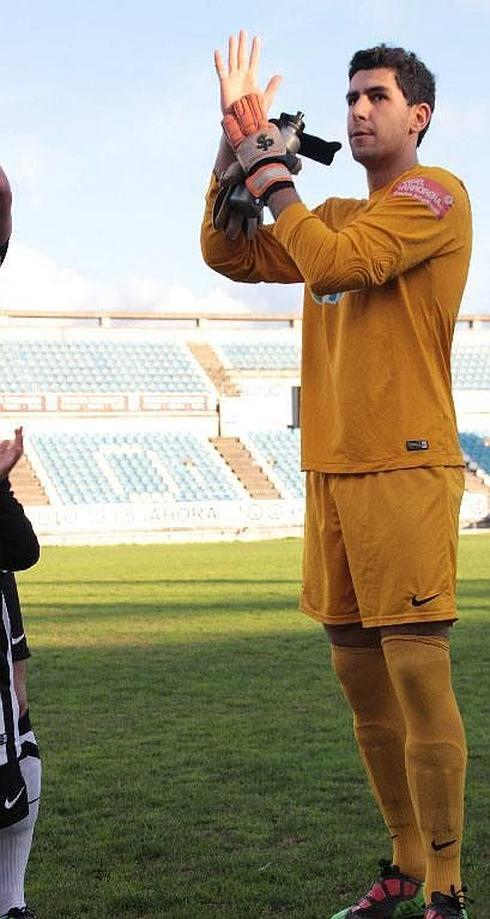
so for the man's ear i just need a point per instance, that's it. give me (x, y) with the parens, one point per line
(421, 115)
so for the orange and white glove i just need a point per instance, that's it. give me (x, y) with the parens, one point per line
(259, 147)
(246, 116)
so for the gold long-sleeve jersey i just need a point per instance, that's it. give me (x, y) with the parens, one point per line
(383, 281)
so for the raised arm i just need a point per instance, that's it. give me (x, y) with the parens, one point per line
(242, 259)
(237, 78)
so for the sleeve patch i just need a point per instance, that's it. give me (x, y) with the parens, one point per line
(428, 192)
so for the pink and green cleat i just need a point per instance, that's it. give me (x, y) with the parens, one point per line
(393, 896)
(442, 906)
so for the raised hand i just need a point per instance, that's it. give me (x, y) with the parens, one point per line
(10, 452)
(240, 77)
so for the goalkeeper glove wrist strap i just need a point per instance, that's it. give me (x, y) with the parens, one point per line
(266, 178)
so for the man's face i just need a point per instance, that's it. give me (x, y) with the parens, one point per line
(380, 122)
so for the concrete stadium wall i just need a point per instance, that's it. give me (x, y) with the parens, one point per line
(188, 521)
(166, 522)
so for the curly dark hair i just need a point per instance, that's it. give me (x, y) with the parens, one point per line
(414, 79)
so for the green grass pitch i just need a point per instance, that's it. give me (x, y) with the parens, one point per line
(198, 756)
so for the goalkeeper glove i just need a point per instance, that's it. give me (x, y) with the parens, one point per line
(260, 148)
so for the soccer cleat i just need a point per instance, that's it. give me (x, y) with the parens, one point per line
(25, 913)
(393, 896)
(443, 906)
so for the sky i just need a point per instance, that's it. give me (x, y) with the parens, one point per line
(110, 123)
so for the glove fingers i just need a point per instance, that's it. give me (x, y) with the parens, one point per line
(249, 113)
(259, 114)
(234, 225)
(232, 129)
(232, 176)
(252, 227)
(221, 209)
(246, 116)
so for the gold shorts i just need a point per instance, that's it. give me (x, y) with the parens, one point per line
(380, 548)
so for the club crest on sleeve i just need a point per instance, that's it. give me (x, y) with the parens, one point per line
(428, 192)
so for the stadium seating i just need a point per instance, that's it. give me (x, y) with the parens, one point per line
(471, 361)
(476, 451)
(166, 365)
(127, 467)
(123, 465)
(278, 454)
(261, 355)
(56, 366)
(470, 357)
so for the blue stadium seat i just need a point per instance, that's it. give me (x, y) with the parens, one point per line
(476, 450)
(471, 360)
(92, 366)
(278, 452)
(125, 467)
(470, 357)
(261, 355)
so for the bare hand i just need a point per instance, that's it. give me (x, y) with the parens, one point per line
(240, 77)
(10, 452)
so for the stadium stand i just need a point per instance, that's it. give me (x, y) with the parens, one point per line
(91, 468)
(471, 360)
(214, 368)
(247, 469)
(166, 365)
(26, 484)
(476, 451)
(259, 355)
(199, 409)
(470, 357)
(278, 454)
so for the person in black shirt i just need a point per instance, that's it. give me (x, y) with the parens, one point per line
(20, 771)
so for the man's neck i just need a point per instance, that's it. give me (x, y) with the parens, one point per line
(385, 173)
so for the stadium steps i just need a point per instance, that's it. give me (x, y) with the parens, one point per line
(212, 366)
(241, 463)
(473, 482)
(26, 485)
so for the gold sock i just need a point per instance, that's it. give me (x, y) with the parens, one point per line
(380, 732)
(420, 671)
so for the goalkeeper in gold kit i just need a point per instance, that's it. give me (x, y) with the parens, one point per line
(383, 280)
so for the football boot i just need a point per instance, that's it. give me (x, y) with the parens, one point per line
(443, 906)
(393, 896)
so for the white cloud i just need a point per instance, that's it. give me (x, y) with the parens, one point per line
(139, 293)
(31, 280)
